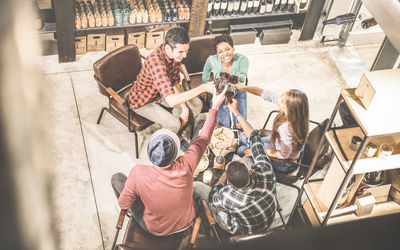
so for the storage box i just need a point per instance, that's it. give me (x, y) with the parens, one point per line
(114, 40)
(80, 45)
(136, 38)
(154, 39)
(243, 36)
(275, 36)
(96, 42)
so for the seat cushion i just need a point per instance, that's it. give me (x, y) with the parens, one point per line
(136, 236)
(138, 122)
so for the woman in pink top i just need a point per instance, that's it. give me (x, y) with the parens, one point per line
(290, 127)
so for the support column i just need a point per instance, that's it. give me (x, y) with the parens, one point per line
(311, 20)
(198, 18)
(64, 13)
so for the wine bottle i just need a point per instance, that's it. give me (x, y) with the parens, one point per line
(341, 19)
(256, 6)
(209, 8)
(263, 6)
(270, 6)
(290, 5)
(229, 10)
(303, 4)
(224, 6)
(276, 4)
(236, 7)
(216, 7)
(283, 5)
(249, 8)
(243, 7)
(367, 23)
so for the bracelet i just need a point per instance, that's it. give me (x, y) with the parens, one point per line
(237, 115)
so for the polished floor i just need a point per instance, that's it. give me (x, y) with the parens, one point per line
(84, 155)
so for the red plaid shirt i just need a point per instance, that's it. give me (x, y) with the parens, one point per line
(156, 79)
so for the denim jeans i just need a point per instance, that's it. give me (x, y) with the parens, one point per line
(223, 118)
(276, 165)
(201, 191)
(118, 182)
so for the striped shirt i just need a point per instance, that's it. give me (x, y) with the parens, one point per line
(250, 209)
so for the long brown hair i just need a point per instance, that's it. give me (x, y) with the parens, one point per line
(296, 103)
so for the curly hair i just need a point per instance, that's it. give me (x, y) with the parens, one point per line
(176, 35)
(223, 38)
(237, 174)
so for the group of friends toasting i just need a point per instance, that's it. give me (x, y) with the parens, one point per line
(162, 196)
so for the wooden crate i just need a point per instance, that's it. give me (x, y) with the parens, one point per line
(96, 42)
(80, 45)
(114, 40)
(137, 38)
(154, 39)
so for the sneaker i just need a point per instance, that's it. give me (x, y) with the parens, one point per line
(184, 145)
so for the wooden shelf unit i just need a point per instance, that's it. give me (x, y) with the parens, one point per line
(380, 123)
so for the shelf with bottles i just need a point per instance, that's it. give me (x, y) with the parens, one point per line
(236, 9)
(100, 14)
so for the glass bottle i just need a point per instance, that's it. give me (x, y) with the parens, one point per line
(209, 7)
(263, 6)
(110, 18)
(229, 10)
(256, 6)
(243, 7)
(84, 21)
(236, 7)
(276, 5)
(303, 4)
(78, 23)
(224, 6)
(249, 8)
(270, 6)
(367, 23)
(216, 7)
(283, 5)
(290, 5)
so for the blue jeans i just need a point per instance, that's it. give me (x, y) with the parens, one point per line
(224, 118)
(276, 165)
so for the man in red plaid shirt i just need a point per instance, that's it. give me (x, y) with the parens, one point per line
(158, 84)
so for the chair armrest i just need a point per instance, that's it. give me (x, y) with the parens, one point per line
(185, 72)
(114, 95)
(208, 213)
(195, 232)
(121, 218)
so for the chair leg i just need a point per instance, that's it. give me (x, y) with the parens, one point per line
(101, 115)
(136, 144)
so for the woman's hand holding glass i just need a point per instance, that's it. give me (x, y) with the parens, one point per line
(218, 99)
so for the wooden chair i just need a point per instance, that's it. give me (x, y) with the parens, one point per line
(115, 73)
(200, 48)
(220, 238)
(309, 151)
(136, 238)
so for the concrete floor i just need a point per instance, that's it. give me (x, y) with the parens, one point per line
(85, 155)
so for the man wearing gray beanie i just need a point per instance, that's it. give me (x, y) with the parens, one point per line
(160, 197)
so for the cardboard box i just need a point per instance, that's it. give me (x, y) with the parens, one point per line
(80, 45)
(114, 40)
(154, 39)
(136, 38)
(275, 36)
(243, 36)
(96, 42)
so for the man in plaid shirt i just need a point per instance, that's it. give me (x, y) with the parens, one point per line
(248, 203)
(158, 84)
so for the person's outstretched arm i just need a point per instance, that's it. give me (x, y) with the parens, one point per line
(233, 107)
(250, 89)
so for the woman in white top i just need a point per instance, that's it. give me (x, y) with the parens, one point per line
(289, 129)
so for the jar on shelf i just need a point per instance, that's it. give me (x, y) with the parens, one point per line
(125, 15)
(118, 16)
